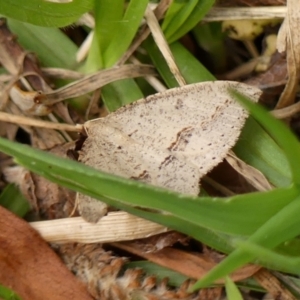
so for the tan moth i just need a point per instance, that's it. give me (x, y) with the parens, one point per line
(170, 139)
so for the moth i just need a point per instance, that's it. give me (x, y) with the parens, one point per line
(170, 139)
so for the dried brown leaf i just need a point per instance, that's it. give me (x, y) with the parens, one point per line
(30, 267)
(192, 265)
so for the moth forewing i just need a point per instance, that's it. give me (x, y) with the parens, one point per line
(170, 139)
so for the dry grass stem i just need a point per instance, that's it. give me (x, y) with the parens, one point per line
(163, 45)
(252, 175)
(95, 81)
(85, 47)
(116, 226)
(218, 187)
(152, 80)
(242, 13)
(286, 112)
(59, 73)
(21, 120)
(159, 11)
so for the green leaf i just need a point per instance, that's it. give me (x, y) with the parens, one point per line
(13, 200)
(8, 294)
(188, 13)
(40, 40)
(258, 149)
(271, 258)
(114, 31)
(45, 13)
(284, 225)
(211, 38)
(108, 14)
(125, 31)
(232, 292)
(219, 214)
(280, 133)
(191, 69)
(120, 93)
(176, 15)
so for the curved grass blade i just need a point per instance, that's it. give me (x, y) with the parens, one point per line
(257, 148)
(8, 294)
(12, 199)
(174, 31)
(219, 214)
(271, 258)
(285, 224)
(125, 31)
(278, 131)
(43, 13)
(232, 292)
(191, 69)
(40, 40)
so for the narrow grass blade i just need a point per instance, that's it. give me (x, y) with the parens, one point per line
(223, 215)
(284, 226)
(271, 258)
(12, 199)
(176, 15)
(40, 40)
(278, 131)
(257, 148)
(8, 294)
(120, 93)
(191, 69)
(232, 292)
(125, 31)
(108, 14)
(173, 32)
(44, 13)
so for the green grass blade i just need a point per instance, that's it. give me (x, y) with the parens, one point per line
(283, 226)
(44, 13)
(191, 69)
(12, 199)
(232, 292)
(125, 31)
(223, 215)
(278, 131)
(176, 15)
(8, 294)
(174, 32)
(271, 258)
(40, 40)
(257, 148)
(211, 38)
(114, 33)
(108, 14)
(120, 93)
